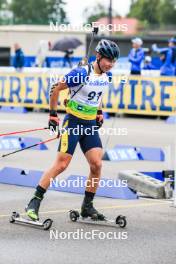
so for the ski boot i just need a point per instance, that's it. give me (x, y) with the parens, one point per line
(33, 208)
(88, 210)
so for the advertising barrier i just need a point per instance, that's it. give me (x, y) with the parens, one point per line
(134, 94)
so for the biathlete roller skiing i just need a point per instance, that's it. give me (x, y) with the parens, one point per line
(86, 84)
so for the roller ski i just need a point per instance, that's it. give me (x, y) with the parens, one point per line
(90, 215)
(32, 212)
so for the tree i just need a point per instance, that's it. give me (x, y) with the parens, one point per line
(167, 13)
(59, 14)
(92, 14)
(5, 14)
(154, 11)
(145, 10)
(2, 3)
(38, 12)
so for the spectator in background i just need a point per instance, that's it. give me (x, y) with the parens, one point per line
(148, 64)
(67, 58)
(47, 58)
(168, 57)
(18, 61)
(136, 56)
(42, 52)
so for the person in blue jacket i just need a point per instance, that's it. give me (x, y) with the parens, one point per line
(18, 61)
(148, 64)
(136, 56)
(168, 57)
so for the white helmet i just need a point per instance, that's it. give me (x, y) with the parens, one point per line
(137, 41)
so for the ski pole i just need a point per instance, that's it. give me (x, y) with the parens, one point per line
(35, 145)
(23, 131)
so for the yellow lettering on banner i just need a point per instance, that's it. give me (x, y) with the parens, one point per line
(136, 95)
(142, 95)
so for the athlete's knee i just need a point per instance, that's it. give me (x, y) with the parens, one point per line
(95, 166)
(61, 164)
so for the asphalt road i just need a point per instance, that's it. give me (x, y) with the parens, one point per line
(150, 235)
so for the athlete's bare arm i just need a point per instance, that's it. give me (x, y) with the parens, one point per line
(54, 94)
(100, 106)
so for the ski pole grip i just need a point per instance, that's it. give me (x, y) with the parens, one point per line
(95, 30)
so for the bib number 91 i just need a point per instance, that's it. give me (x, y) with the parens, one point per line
(93, 94)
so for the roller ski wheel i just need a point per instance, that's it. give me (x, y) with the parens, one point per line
(74, 215)
(16, 218)
(121, 221)
(13, 217)
(47, 224)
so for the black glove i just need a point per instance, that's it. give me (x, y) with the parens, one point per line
(99, 118)
(53, 123)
